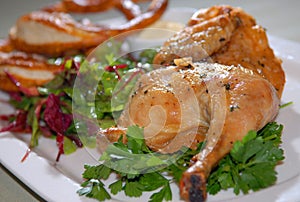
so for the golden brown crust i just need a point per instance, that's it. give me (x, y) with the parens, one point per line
(81, 37)
(73, 6)
(244, 44)
(16, 63)
(249, 47)
(55, 49)
(69, 35)
(29, 61)
(126, 7)
(7, 85)
(5, 46)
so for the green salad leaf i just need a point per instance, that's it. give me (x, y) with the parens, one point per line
(112, 80)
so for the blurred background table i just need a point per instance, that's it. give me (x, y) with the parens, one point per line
(280, 18)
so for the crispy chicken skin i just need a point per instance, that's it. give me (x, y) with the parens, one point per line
(183, 105)
(249, 47)
(229, 36)
(201, 38)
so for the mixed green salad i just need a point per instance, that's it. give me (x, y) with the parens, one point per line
(58, 108)
(249, 166)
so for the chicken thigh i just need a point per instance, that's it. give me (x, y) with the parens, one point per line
(189, 103)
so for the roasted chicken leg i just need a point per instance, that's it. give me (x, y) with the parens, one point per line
(234, 87)
(185, 104)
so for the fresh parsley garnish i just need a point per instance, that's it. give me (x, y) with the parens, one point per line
(138, 169)
(250, 165)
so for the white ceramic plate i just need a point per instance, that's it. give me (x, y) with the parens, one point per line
(60, 181)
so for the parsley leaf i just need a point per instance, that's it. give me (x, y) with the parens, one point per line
(95, 172)
(164, 194)
(94, 189)
(116, 187)
(139, 169)
(251, 163)
(133, 188)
